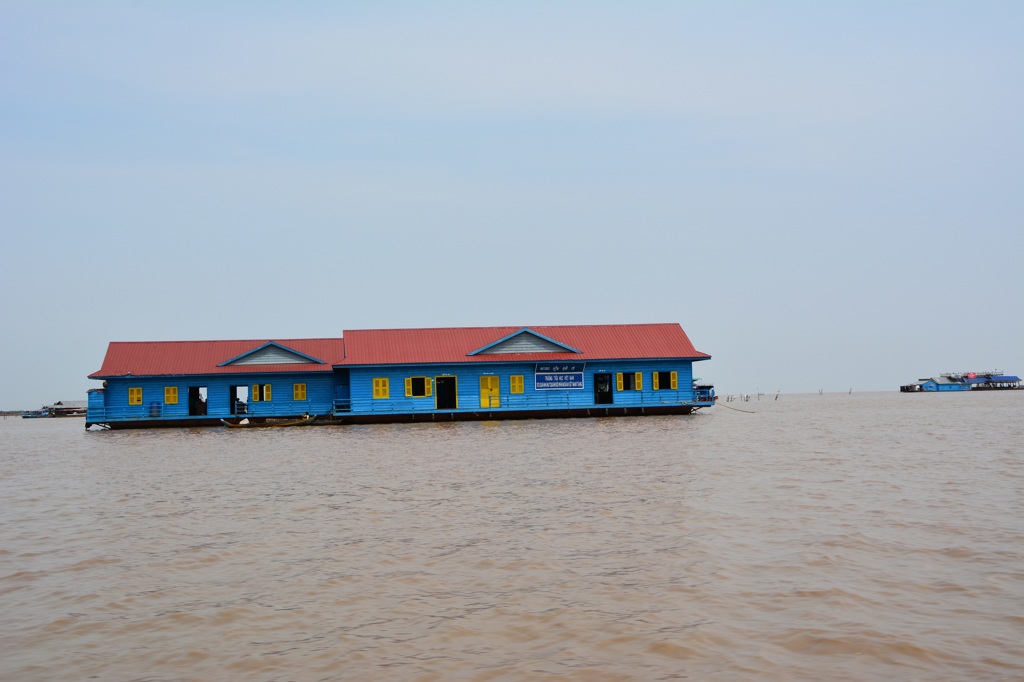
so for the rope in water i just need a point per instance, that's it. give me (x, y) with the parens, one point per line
(719, 404)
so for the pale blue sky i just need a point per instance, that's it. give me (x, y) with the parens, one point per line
(825, 195)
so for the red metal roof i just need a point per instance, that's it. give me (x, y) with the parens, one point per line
(597, 342)
(398, 346)
(168, 358)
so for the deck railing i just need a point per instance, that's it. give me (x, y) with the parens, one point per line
(563, 400)
(157, 411)
(554, 400)
(704, 395)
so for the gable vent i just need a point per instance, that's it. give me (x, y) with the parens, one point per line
(524, 343)
(272, 355)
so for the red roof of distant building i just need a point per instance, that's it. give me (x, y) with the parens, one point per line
(398, 346)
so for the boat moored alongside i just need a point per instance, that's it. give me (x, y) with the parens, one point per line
(256, 423)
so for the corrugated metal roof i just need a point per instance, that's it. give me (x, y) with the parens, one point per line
(397, 346)
(596, 342)
(168, 358)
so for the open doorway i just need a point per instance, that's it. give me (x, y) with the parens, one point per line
(238, 396)
(445, 393)
(196, 401)
(602, 389)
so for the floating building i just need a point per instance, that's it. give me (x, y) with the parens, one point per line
(964, 381)
(394, 375)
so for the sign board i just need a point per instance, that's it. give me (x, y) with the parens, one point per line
(558, 376)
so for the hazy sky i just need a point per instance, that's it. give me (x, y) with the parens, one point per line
(824, 194)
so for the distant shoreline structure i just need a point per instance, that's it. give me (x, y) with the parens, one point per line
(965, 381)
(65, 408)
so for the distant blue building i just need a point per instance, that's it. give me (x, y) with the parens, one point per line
(967, 381)
(992, 381)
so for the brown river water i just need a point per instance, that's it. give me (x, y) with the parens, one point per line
(873, 536)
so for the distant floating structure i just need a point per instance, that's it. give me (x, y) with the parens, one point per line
(66, 408)
(965, 381)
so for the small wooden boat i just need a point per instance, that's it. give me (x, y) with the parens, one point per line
(260, 422)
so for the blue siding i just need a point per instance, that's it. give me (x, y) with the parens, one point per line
(934, 386)
(350, 392)
(112, 403)
(319, 395)
(468, 379)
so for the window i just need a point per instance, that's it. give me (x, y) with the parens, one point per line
(260, 393)
(135, 395)
(629, 381)
(517, 384)
(299, 392)
(417, 387)
(170, 395)
(664, 380)
(381, 388)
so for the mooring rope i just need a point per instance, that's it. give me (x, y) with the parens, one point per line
(719, 404)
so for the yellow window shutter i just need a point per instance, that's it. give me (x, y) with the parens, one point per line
(654, 381)
(408, 387)
(427, 385)
(639, 380)
(266, 393)
(675, 380)
(255, 393)
(618, 381)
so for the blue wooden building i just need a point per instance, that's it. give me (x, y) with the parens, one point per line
(402, 375)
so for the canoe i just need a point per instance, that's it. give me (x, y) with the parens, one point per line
(263, 423)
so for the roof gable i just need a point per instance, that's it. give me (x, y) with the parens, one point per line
(572, 343)
(271, 353)
(524, 341)
(178, 358)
